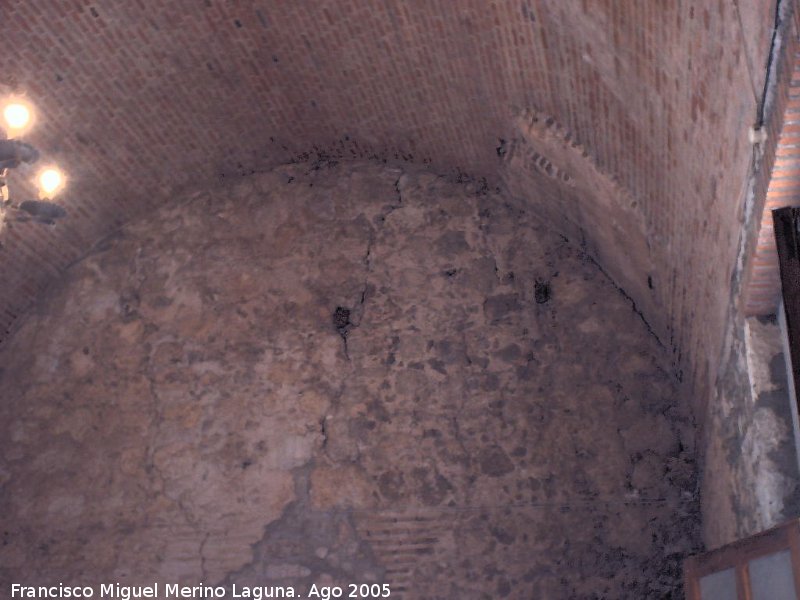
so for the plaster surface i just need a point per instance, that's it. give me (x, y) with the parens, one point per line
(751, 466)
(342, 375)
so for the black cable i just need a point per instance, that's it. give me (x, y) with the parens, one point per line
(770, 61)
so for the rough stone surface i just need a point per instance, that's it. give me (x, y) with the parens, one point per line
(751, 466)
(345, 375)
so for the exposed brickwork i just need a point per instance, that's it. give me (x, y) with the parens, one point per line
(584, 203)
(139, 99)
(764, 285)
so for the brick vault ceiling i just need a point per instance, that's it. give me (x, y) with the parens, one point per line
(141, 100)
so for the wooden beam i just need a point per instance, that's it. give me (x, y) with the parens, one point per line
(787, 237)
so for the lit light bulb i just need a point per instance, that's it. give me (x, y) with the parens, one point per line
(17, 115)
(50, 181)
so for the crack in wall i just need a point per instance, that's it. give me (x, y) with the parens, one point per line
(319, 470)
(630, 299)
(342, 316)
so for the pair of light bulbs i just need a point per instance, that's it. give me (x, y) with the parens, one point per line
(18, 116)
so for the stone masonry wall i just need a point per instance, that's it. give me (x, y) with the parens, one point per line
(344, 374)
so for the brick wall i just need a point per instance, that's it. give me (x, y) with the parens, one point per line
(763, 289)
(141, 99)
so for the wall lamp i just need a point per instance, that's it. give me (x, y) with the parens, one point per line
(19, 117)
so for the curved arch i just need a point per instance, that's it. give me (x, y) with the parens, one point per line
(551, 170)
